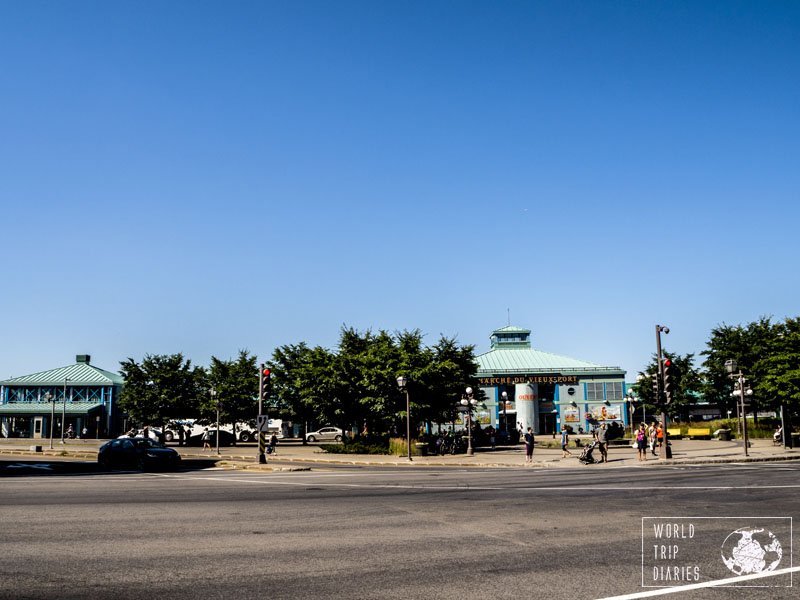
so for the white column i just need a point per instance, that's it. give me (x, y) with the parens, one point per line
(527, 398)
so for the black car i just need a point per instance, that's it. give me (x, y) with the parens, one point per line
(137, 453)
(225, 438)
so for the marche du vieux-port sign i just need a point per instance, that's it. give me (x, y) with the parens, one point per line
(548, 378)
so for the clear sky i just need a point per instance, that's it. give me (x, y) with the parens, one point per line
(201, 177)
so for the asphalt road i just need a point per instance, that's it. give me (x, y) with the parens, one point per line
(384, 532)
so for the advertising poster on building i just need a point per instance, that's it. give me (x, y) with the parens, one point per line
(572, 415)
(601, 412)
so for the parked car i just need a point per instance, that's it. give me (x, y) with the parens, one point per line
(325, 434)
(137, 453)
(152, 433)
(225, 438)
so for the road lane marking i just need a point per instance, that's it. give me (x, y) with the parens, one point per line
(706, 584)
(283, 479)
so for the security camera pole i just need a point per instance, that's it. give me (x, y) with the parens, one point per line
(663, 453)
(742, 392)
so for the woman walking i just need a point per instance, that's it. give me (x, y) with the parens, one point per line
(641, 442)
(564, 443)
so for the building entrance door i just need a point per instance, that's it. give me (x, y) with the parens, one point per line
(38, 427)
(548, 421)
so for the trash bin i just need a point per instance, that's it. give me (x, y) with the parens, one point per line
(725, 435)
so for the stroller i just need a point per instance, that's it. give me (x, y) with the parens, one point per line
(586, 455)
(777, 437)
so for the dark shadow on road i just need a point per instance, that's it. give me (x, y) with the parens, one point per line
(41, 467)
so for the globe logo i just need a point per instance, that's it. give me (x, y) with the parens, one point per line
(751, 550)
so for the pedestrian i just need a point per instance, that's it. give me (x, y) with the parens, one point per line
(84, 433)
(529, 441)
(206, 437)
(660, 435)
(564, 442)
(651, 437)
(641, 442)
(273, 443)
(70, 432)
(491, 437)
(602, 442)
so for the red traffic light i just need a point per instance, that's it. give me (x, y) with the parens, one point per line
(266, 372)
(667, 363)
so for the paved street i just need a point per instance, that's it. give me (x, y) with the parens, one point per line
(293, 452)
(367, 532)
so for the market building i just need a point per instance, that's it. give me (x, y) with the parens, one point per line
(525, 387)
(79, 395)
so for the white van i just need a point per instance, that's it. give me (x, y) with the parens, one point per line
(245, 431)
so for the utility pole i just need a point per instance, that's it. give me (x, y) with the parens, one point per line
(664, 452)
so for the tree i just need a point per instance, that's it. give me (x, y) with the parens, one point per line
(235, 383)
(357, 385)
(748, 345)
(779, 371)
(452, 370)
(686, 383)
(162, 387)
(301, 381)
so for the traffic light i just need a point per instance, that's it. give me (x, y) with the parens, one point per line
(669, 381)
(656, 386)
(263, 383)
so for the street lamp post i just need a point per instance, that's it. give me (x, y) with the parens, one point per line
(64, 410)
(741, 391)
(469, 402)
(504, 395)
(48, 397)
(639, 380)
(402, 383)
(632, 407)
(214, 397)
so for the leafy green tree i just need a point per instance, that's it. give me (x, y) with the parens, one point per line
(779, 382)
(453, 369)
(160, 388)
(686, 380)
(748, 345)
(356, 386)
(301, 382)
(235, 386)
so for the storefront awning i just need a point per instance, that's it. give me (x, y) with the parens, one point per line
(46, 408)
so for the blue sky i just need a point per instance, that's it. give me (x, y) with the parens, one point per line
(201, 177)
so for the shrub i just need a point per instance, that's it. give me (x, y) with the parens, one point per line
(355, 447)
(398, 447)
(765, 429)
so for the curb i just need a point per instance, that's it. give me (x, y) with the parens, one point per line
(248, 462)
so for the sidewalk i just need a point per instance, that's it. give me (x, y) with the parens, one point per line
(683, 452)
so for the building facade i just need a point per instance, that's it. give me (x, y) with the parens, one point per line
(545, 391)
(49, 402)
